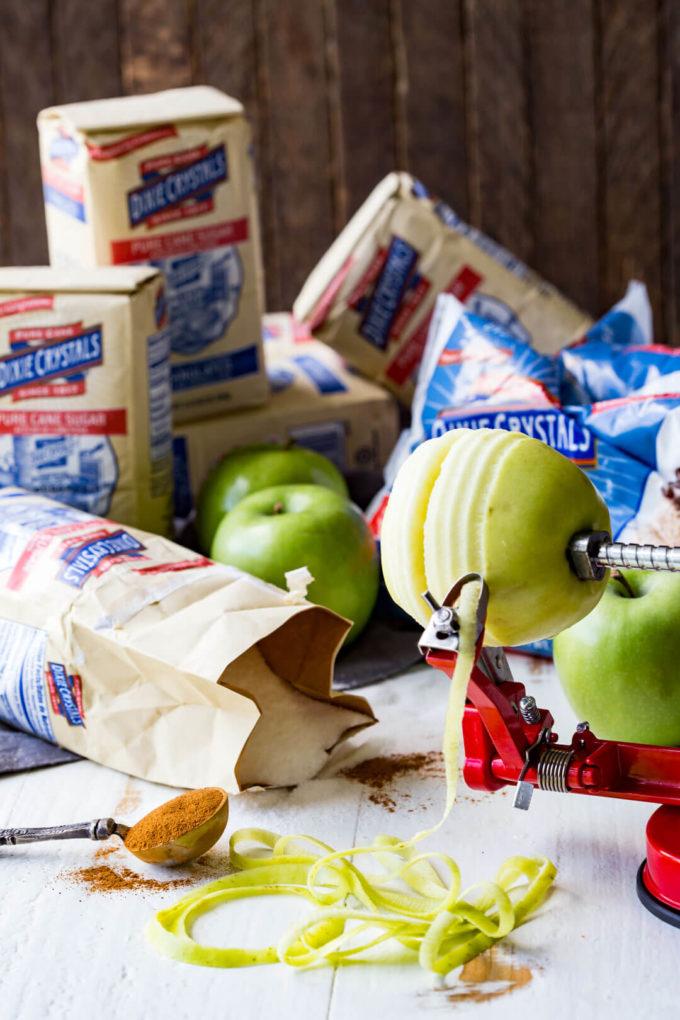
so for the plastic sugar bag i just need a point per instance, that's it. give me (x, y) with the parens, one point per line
(591, 368)
(470, 361)
(476, 375)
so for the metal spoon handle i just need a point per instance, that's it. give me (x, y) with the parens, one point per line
(100, 828)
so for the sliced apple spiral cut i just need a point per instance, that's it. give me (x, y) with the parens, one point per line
(501, 504)
(401, 535)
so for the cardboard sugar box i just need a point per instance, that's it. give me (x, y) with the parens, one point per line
(85, 414)
(167, 180)
(372, 294)
(282, 332)
(316, 402)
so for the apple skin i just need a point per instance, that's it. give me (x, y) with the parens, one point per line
(252, 468)
(620, 665)
(289, 526)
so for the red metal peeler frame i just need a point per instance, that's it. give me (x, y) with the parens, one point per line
(508, 740)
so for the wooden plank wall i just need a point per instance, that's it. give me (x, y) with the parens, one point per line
(553, 126)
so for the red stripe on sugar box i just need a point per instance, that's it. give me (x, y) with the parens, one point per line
(322, 307)
(64, 423)
(170, 159)
(66, 389)
(44, 334)
(131, 142)
(182, 212)
(363, 285)
(183, 242)
(18, 306)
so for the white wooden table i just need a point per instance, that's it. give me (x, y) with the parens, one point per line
(67, 952)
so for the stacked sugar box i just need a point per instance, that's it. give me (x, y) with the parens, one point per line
(167, 180)
(316, 402)
(85, 415)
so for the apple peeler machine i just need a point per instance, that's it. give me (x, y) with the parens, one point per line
(508, 739)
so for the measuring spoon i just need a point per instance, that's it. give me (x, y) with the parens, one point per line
(180, 850)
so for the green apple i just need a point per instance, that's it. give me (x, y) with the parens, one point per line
(503, 505)
(289, 526)
(256, 467)
(620, 665)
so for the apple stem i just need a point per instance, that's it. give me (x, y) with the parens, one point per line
(278, 507)
(618, 576)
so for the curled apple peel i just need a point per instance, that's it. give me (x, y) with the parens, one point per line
(500, 504)
(415, 899)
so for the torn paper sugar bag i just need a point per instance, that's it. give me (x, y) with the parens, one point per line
(139, 654)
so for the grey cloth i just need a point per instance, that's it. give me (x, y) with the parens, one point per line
(380, 652)
(20, 751)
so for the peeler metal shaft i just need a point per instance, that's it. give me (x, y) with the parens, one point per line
(592, 552)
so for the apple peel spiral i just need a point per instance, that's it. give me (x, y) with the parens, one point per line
(414, 902)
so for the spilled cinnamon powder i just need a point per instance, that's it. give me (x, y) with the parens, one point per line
(381, 772)
(488, 977)
(103, 879)
(130, 800)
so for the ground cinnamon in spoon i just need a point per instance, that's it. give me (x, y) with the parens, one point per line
(174, 819)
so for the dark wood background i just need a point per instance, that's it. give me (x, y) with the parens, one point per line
(554, 125)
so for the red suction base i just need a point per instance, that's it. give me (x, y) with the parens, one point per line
(658, 880)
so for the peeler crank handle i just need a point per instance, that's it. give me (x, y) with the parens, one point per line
(100, 828)
(591, 552)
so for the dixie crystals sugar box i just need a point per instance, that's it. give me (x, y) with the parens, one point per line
(167, 180)
(85, 413)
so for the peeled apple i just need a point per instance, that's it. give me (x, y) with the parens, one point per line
(501, 504)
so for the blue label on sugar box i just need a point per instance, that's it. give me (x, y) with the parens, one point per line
(203, 295)
(23, 695)
(79, 470)
(33, 365)
(210, 371)
(180, 477)
(170, 189)
(388, 292)
(65, 203)
(322, 377)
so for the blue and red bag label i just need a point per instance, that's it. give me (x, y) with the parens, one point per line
(388, 292)
(62, 188)
(550, 425)
(87, 559)
(28, 365)
(66, 693)
(166, 189)
(23, 693)
(208, 371)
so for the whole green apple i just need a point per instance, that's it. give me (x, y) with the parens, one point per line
(620, 665)
(289, 526)
(252, 468)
